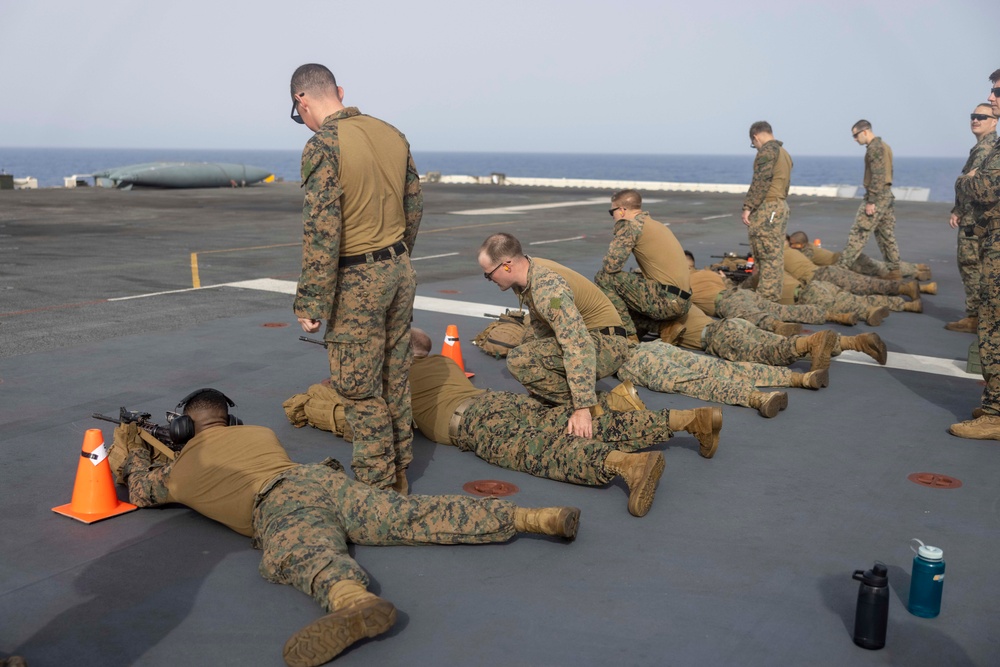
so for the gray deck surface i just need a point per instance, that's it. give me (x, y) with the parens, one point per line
(745, 559)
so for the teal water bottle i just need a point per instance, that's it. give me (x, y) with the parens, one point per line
(926, 580)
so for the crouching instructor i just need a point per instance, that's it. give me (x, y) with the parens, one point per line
(362, 209)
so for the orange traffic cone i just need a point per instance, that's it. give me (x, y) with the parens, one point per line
(94, 495)
(452, 348)
(817, 243)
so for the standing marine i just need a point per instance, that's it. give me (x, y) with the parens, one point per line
(360, 218)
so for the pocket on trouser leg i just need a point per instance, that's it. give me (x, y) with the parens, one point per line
(354, 371)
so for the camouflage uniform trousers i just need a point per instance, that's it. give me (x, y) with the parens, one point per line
(748, 305)
(738, 340)
(877, 268)
(539, 365)
(989, 317)
(368, 341)
(517, 432)
(662, 367)
(633, 294)
(855, 283)
(883, 224)
(305, 517)
(835, 300)
(767, 243)
(968, 268)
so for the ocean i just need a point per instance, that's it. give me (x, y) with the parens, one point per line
(51, 165)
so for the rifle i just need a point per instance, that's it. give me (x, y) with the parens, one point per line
(126, 416)
(313, 340)
(735, 267)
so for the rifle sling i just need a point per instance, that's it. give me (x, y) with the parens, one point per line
(156, 444)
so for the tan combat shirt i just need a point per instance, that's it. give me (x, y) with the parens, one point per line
(437, 387)
(705, 286)
(657, 251)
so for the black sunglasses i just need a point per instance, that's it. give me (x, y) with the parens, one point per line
(295, 113)
(995, 91)
(855, 134)
(489, 276)
(980, 116)
(611, 211)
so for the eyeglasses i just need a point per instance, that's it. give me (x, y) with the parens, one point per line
(980, 116)
(996, 92)
(611, 211)
(855, 134)
(295, 112)
(489, 276)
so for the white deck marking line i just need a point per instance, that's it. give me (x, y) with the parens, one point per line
(447, 254)
(515, 210)
(896, 360)
(572, 238)
(715, 217)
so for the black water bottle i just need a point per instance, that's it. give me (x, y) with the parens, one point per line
(872, 614)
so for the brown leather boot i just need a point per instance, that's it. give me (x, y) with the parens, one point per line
(703, 423)
(850, 319)
(928, 288)
(788, 328)
(893, 275)
(876, 314)
(869, 343)
(357, 614)
(641, 473)
(986, 427)
(768, 404)
(402, 486)
(965, 325)
(913, 306)
(812, 379)
(910, 289)
(554, 521)
(819, 346)
(624, 398)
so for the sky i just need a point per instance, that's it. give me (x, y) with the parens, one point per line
(545, 76)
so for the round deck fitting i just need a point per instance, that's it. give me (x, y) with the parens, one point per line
(934, 480)
(275, 325)
(490, 487)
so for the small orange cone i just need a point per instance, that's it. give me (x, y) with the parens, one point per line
(452, 348)
(817, 243)
(94, 495)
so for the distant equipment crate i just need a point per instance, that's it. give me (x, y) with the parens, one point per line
(6, 181)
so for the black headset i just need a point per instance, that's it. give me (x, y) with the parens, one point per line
(182, 426)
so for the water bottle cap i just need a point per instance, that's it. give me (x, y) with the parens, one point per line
(930, 553)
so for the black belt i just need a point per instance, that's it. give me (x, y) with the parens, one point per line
(394, 250)
(674, 289)
(612, 331)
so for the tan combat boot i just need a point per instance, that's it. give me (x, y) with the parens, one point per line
(819, 346)
(768, 404)
(357, 614)
(893, 275)
(923, 274)
(869, 343)
(402, 486)
(554, 521)
(910, 289)
(876, 314)
(928, 288)
(913, 306)
(965, 325)
(641, 473)
(703, 423)
(788, 328)
(624, 398)
(812, 379)
(850, 319)
(986, 427)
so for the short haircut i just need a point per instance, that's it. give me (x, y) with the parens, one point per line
(210, 400)
(995, 76)
(315, 79)
(759, 127)
(861, 125)
(986, 105)
(501, 247)
(798, 237)
(689, 255)
(420, 342)
(627, 198)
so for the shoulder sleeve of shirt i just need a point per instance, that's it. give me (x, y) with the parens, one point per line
(626, 235)
(763, 172)
(878, 162)
(147, 484)
(983, 189)
(321, 227)
(413, 202)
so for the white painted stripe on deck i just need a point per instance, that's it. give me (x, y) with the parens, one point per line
(715, 217)
(895, 360)
(572, 238)
(517, 210)
(447, 254)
